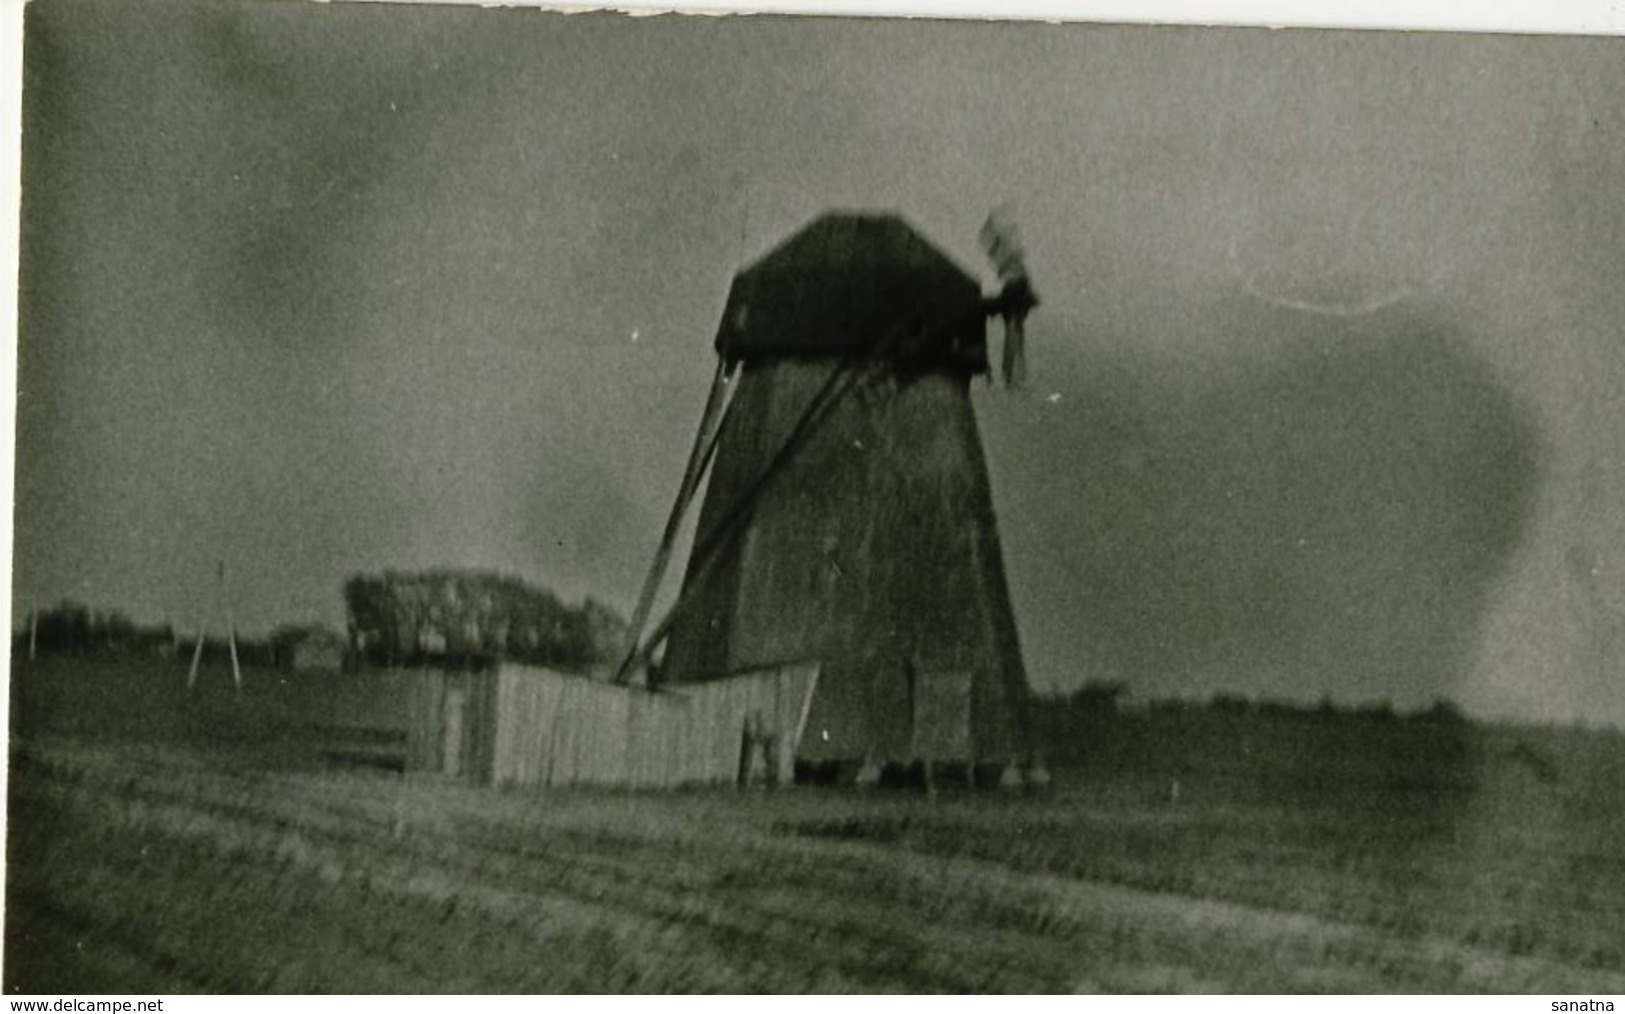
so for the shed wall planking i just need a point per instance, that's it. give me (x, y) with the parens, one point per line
(524, 725)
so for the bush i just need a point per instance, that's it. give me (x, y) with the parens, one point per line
(1097, 697)
(401, 617)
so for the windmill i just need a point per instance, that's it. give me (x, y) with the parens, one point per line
(848, 517)
(221, 602)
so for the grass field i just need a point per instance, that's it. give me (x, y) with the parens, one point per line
(166, 842)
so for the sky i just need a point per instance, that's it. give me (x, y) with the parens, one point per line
(1324, 385)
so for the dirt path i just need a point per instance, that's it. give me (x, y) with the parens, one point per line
(163, 870)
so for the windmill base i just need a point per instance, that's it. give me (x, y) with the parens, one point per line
(923, 776)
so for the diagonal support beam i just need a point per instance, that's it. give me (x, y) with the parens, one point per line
(699, 458)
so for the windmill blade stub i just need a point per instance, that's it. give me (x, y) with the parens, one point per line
(1002, 240)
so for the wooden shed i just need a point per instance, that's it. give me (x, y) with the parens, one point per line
(509, 724)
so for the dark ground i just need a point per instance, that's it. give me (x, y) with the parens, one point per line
(166, 842)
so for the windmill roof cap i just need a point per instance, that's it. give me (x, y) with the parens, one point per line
(847, 283)
(857, 241)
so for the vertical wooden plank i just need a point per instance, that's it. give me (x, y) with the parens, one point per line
(548, 731)
(676, 722)
(600, 719)
(570, 716)
(611, 735)
(531, 719)
(468, 765)
(631, 742)
(680, 722)
(452, 727)
(437, 722)
(521, 716)
(634, 741)
(416, 741)
(590, 715)
(693, 762)
(657, 767)
(674, 719)
(676, 712)
(504, 756)
(663, 762)
(499, 715)
(642, 738)
(471, 726)
(535, 719)
(521, 723)
(599, 734)
(581, 732)
(942, 715)
(564, 720)
(484, 693)
(564, 758)
(434, 719)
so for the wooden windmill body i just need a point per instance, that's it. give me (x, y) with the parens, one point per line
(848, 517)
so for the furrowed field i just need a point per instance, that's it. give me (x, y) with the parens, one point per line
(166, 842)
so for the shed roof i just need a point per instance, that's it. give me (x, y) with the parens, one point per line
(849, 282)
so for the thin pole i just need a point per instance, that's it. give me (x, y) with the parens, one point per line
(231, 641)
(221, 600)
(197, 656)
(33, 633)
(231, 625)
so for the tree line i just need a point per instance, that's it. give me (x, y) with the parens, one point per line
(398, 618)
(1103, 698)
(75, 628)
(394, 618)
